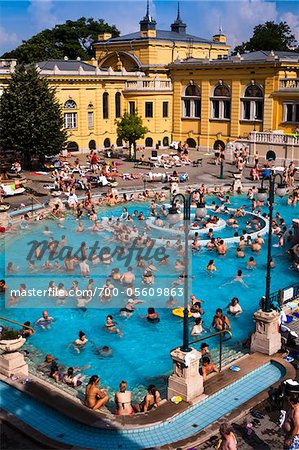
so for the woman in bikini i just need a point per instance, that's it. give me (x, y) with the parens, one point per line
(123, 400)
(95, 398)
(151, 400)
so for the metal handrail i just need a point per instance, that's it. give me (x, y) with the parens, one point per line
(220, 334)
(17, 323)
(276, 296)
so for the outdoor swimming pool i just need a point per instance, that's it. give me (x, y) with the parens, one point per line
(142, 354)
(56, 426)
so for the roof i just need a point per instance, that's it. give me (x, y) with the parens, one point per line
(65, 65)
(161, 35)
(248, 58)
(262, 55)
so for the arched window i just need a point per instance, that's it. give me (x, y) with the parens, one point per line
(107, 143)
(119, 142)
(117, 104)
(92, 145)
(148, 142)
(191, 101)
(70, 104)
(105, 105)
(191, 143)
(252, 103)
(220, 102)
(72, 147)
(165, 141)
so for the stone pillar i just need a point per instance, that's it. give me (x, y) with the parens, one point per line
(296, 230)
(13, 364)
(267, 338)
(185, 380)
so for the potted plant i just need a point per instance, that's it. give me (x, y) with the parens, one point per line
(10, 340)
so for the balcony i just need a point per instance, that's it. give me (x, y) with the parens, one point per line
(273, 138)
(149, 85)
(289, 84)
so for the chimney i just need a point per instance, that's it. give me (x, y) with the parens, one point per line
(104, 36)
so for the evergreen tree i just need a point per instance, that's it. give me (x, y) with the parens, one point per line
(130, 128)
(268, 36)
(31, 120)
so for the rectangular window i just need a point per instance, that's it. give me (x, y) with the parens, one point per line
(132, 107)
(90, 119)
(216, 109)
(197, 108)
(246, 110)
(187, 108)
(70, 120)
(226, 109)
(258, 111)
(148, 109)
(165, 109)
(291, 112)
(105, 105)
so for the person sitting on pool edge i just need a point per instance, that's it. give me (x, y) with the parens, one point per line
(95, 398)
(207, 367)
(123, 400)
(150, 401)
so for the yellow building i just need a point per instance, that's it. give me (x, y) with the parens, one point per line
(186, 88)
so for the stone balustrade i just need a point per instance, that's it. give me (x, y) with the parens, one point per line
(289, 84)
(273, 138)
(149, 85)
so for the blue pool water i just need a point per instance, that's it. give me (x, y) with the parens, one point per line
(59, 427)
(142, 355)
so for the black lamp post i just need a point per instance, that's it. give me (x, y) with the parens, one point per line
(173, 218)
(262, 195)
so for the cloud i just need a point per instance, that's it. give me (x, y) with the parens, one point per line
(41, 14)
(293, 21)
(8, 40)
(237, 18)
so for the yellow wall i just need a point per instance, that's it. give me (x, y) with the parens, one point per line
(156, 52)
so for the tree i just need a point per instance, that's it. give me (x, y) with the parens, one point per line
(268, 36)
(71, 39)
(130, 128)
(31, 120)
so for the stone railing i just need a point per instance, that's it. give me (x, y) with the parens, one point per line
(289, 84)
(149, 85)
(273, 138)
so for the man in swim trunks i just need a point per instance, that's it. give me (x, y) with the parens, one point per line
(45, 321)
(220, 321)
(128, 277)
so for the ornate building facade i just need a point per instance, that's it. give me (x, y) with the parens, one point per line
(185, 88)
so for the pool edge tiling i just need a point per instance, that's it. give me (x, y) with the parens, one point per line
(180, 427)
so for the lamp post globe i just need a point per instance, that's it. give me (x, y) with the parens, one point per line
(262, 194)
(281, 189)
(201, 210)
(173, 216)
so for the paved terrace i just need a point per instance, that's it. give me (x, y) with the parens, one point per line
(208, 173)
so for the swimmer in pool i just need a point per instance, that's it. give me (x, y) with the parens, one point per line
(238, 278)
(45, 321)
(151, 316)
(111, 326)
(211, 266)
(129, 309)
(251, 263)
(79, 343)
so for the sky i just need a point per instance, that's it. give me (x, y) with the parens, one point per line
(19, 20)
